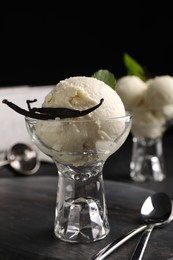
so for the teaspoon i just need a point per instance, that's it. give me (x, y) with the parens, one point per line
(22, 158)
(161, 213)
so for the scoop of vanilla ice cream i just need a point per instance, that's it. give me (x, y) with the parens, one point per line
(131, 89)
(160, 91)
(97, 131)
(147, 123)
(148, 119)
(160, 94)
(84, 92)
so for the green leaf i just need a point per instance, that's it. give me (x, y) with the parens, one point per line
(106, 76)
(133, 67)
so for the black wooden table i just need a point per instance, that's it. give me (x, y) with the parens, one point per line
(27, 208)
(27, 219)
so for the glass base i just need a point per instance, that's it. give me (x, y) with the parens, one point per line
(81, 214)
(147, 163)
(82, 223)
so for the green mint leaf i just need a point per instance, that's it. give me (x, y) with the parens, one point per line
(106, 76)
(133, 67)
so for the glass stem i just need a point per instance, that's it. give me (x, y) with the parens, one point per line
(81, 214)
(147, 162)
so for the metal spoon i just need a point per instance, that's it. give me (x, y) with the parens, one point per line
(159, 206)
(22, 158)
(160, 214)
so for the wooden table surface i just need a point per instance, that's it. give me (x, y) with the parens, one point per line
(27, 208)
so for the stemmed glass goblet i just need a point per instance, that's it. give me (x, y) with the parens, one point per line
(148, 127)
(79, 147)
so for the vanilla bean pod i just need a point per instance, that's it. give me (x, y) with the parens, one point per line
(45, 113)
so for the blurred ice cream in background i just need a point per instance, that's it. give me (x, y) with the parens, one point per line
(151, 103)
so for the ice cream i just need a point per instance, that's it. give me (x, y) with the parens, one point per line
(83, 92)
(151, 103)
(160, 94)
(131, 89)
(94, 131)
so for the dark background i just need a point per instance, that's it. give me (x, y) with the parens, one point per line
(41, 47)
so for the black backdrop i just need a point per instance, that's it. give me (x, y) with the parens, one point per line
(42, 47)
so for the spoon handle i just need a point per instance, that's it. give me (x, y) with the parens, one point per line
(141, 246)
(107, 250)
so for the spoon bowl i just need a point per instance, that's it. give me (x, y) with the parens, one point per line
(22, 158)
(156, 210)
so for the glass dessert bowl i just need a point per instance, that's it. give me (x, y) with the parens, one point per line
(151, 102)
(148, 127)
(79, 148)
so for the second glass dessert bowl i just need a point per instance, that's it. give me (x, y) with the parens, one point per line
(79, 148)
(149, 125)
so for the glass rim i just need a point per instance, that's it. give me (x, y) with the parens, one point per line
(128, 115)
